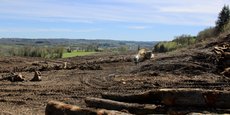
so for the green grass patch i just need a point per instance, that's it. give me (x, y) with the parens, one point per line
(76, 53)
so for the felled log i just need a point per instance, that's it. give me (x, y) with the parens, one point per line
(131, 107)
(59, 108)
(177, 97)
(141, 98)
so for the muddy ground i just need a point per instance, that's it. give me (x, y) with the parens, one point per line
(89, 76)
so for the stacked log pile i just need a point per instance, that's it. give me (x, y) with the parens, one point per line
(159, 101)
(223, 58)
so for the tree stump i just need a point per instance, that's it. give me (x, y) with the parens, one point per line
(37, 76)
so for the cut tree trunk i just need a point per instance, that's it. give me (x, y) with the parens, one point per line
(177, 97)
(131, 107)
(59, 108)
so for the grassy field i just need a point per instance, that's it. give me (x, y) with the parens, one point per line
(76, 53)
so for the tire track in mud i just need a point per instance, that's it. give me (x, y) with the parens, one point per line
(109, 84)
(102, 82)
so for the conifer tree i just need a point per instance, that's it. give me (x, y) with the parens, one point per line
(223, 19)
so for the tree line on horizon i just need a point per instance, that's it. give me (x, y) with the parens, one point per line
(36, 51)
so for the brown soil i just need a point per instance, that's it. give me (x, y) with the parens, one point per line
(89, 76)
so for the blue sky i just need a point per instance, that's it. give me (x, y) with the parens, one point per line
(138, 20)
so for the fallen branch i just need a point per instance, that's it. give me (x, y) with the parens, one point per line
(131, 107)
(177, 97)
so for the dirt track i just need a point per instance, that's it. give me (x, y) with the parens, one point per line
(91, 75)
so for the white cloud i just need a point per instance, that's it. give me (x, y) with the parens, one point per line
(183, 12)
(13, 30)
(138, 27)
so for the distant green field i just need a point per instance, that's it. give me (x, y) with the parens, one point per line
(76, 53)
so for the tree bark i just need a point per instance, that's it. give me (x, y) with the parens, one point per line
(59, 108)
(130, 107)
(177, 97)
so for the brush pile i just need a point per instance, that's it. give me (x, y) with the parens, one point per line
(223, 58)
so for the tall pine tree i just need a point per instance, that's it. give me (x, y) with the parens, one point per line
(223, 19)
